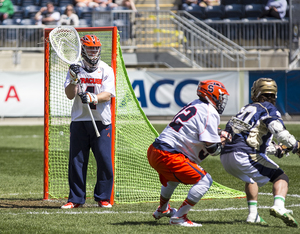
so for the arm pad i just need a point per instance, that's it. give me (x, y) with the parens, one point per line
(214, 149)
(281, 134)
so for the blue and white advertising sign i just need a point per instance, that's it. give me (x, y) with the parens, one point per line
(165, 93)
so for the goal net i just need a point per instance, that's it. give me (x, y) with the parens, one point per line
(134, 179)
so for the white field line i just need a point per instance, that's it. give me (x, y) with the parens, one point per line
(21, 136)
(128, 212)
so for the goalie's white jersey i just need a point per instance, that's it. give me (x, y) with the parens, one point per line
(101, 80)
(193, 125)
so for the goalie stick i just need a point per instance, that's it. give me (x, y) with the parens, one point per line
(66, 43)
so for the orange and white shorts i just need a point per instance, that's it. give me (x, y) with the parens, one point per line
(174, 167)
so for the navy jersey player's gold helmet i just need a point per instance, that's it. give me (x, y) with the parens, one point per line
(91, 51)
(263, 86)
(214, 92)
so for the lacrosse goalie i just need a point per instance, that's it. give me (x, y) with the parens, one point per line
(245, 157)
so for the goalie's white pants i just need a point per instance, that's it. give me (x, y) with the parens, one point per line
(251, 168)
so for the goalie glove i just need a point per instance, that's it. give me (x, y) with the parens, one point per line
(296, 148)
(74, 70)
(88, 97)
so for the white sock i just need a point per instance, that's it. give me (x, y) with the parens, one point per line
(252, 205)
(183, 209)
(279, 201)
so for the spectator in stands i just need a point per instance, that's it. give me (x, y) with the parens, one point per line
(106, 3)
(69, 17)
(275, 8)
(6, 9)
(129, 4)
(86, 3)
(205, 3)
(47, 15)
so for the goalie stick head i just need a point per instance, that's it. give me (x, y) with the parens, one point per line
(213, 92)
(91, 51)
(266, 86)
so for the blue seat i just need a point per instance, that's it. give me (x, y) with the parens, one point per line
(64, 2)
(84, 12)
(27, 22)
(18, 12)
(253, 10)
(234, 10)
(31, 10)
(85, 22)
(197, 11)
(230, 2)
(250, 2)
(214, 12)
(25, 3)
(9, 22)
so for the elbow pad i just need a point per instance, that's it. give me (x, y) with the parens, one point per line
(214, 149)
(281, 134)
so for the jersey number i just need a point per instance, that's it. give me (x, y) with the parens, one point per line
(184, 115)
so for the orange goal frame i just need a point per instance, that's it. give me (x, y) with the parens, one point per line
(47, 93)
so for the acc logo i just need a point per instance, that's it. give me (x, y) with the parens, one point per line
(142, 99)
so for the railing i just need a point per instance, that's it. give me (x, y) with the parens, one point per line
(201, 43)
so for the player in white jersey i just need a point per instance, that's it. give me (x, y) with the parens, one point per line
(190, 137)
(98, 86)
(245, 157)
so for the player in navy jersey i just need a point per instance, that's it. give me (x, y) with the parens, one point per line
(98, 84)
(190, 137)
(245, 157)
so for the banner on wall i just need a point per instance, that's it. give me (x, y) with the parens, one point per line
(165, 93)
(21, 94)
(159, 93)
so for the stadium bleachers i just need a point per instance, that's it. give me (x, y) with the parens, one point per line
(227, 11)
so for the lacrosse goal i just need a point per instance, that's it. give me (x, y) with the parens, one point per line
(134, 179)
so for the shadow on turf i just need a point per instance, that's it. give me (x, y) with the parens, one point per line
(156, 223)
(9, 203)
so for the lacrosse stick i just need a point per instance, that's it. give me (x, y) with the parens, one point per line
(66, 43)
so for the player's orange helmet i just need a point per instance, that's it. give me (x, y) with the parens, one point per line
(214, 92)
(91, 49)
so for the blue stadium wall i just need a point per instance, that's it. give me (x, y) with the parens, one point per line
(288, 82)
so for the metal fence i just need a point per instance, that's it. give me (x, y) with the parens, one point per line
(222, 43)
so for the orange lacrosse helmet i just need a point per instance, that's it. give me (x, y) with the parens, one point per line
(91, 50)
(213, 92)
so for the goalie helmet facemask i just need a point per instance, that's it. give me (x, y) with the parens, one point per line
(91, 51)
(263, 86)
(213, 92)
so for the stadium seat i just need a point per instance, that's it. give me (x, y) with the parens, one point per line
(64, 2)
(253, 10)
(26, 3)
(249, 2)
(214, 12)
(231, 29)
(84, 22)
(234, 10)
(9, 22)
(230, 2)
(27, 22)
(196, 11)
(16, 2)
(31, 10)
(84, 12)
(18, 12)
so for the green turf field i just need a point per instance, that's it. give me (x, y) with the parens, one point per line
(23, 210)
